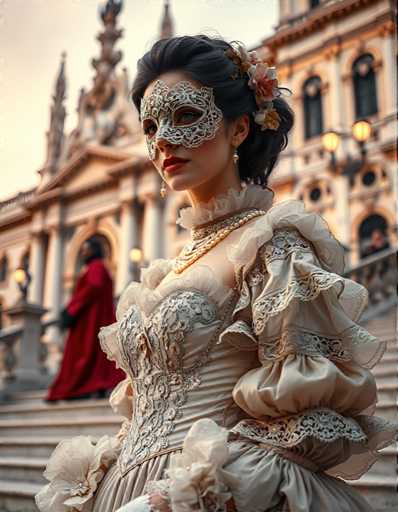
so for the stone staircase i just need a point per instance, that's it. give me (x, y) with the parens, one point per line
(30, 429)
(380, 484)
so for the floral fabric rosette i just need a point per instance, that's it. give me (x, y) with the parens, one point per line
(196, 480)
(262, 80)
(75, 469)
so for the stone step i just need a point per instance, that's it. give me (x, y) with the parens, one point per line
(20, 469)
(28, 396)
(57, 410)
(379, 491)
(387, 392)
(387, 409)
(30, 446)
(18, 496)
(87, 425)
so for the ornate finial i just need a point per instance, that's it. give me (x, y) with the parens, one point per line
(167, 26)
(55, 134)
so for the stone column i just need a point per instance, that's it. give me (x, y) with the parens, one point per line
(153, 229)
(342, 188)
(338, 110)
(53, 291)
(389, 70)
(37, 270)
(128, 240)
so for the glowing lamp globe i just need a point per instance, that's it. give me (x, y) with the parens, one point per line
(135, 255)
(20, 275)
(331, 141)
(361, 131)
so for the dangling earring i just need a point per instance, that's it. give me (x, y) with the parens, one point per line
(235, 157)
(163, 190)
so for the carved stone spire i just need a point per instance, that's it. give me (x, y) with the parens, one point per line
(101, 94)
(167, 26)
(55, 134)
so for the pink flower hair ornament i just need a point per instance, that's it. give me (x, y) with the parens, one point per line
(262, 80)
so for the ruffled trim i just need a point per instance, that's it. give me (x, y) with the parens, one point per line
(74, 471)
(365, 434)
(121, 399)
(289, 214)
(288, 431)
(355, 343)
(108, 338)
(239, 335)
(251, 196)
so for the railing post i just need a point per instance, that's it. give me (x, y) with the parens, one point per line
(28, 371)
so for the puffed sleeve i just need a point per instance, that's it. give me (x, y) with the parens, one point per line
(313, 390)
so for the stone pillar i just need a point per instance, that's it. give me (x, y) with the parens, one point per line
(153, 229)
(53, 291)
(338, 111)
(342, 188)
(128, 240)
(37, 270)
(390, 72)
(28, 371)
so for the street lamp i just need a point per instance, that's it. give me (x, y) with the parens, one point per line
(23, 278)
(135, 259)
(360, 132)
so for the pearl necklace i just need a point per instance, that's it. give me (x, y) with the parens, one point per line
(207, 238)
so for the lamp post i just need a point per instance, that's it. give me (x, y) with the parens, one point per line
(135, 259)
(360, 132)
(23, 278)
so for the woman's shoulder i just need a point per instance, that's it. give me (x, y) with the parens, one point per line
(288, 222)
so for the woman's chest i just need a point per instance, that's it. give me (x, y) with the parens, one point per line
(176, 336)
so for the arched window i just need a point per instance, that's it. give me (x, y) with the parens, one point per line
(312, 98)
(3, 268)
(364, 84)
(373, 236)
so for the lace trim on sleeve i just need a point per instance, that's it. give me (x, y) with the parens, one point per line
(323, 424)
(239, 335)
(348, 345)
(305, 288)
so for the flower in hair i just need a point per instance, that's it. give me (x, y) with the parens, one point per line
(263, 82)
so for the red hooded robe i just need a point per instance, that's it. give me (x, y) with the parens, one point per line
(85, 367)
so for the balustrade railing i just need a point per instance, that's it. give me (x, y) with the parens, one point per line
(378, 273)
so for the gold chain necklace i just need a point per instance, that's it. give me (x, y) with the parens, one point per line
(196, 249)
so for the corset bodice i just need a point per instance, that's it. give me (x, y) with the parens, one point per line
(180, 370)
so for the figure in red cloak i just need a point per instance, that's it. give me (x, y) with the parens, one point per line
(85, 370)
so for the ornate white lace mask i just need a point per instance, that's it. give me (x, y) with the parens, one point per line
(182, 115)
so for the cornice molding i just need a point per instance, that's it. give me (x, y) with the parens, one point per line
(315, 21)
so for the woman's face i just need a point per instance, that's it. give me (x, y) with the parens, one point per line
(180, 120)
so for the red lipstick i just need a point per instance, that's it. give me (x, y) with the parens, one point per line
(173, 163)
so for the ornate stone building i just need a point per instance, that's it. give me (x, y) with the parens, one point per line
(338, 58)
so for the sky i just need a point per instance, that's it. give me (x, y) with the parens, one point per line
(34, 33)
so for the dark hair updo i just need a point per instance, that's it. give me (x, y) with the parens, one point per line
(203, 59)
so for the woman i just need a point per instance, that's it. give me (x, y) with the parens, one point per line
(85, 371)
(247, 373)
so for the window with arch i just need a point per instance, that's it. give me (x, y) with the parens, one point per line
(3, 268)
(373, 235)
(312, 103)
(364, 85)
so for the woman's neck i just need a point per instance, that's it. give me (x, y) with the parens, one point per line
(218, 185)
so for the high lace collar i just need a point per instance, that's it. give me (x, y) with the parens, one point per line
(251, 196)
